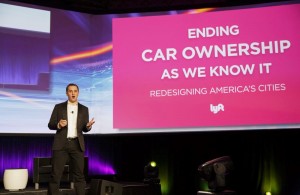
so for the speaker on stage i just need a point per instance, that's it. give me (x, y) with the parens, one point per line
(104, 187)
(226, 192)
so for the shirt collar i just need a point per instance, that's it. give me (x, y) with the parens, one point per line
(73, 104)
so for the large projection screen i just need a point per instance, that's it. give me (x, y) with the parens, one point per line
(216, 69)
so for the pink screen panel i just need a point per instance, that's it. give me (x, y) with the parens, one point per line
(216, 69)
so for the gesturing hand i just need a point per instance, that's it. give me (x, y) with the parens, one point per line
(62, 123)
(89, 125)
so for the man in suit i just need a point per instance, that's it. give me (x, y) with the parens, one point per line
(70, 119)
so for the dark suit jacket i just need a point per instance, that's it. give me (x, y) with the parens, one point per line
(60, 112)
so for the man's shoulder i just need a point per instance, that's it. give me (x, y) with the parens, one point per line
(62, 104)
(83, 106)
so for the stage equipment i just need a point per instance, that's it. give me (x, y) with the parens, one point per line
(218, 173)
(151, 173)
(105, 187)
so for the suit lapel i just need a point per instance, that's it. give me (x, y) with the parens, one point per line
(65, 111)
(79, 113)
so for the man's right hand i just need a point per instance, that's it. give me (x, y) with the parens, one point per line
(62, 123)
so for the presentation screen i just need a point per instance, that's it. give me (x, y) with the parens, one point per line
(213, 69)
(226, 68)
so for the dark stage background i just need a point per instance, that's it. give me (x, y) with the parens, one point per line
(263, 160)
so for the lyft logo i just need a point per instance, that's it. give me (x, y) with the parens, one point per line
(216, 109)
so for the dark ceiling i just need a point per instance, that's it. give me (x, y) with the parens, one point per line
(126, 6)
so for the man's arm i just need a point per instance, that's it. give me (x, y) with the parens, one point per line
(53, 122)
(87, 125)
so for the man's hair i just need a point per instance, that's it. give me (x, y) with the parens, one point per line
(72, 84)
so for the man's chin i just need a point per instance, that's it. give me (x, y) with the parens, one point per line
(73, 100)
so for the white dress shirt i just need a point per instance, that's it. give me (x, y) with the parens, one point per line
(72, 111)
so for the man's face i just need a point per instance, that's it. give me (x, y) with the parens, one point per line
(72, 93)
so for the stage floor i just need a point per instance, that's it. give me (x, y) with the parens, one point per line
(32, 191)
(93, 187)
(64, 190)
(41, 191)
